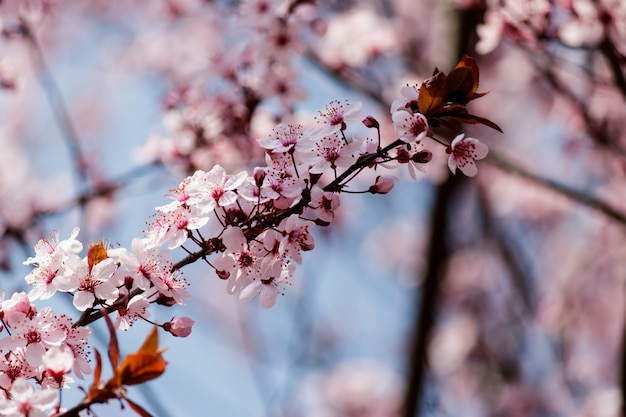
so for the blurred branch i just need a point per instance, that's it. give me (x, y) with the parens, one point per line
(17, 232)
(438, 254)
(57, 105)
(571, 193)
(507, 252)
(612, 55)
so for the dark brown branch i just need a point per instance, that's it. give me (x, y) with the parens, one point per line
(438, 253)
(615, 63)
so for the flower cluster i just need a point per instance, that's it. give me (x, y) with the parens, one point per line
(260, 224)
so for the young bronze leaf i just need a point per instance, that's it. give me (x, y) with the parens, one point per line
(432, 93)
(460, 85)
(114, 350)
(96, 254)
(151, 344)
(145, 364)
(141, 367)
(470, 63)
(137, 408)
(473, 119)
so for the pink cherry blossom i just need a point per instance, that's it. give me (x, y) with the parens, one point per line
(172, 286)
(14, 365)
(98, 284)
(57, 362)
(26, 402)
(408, 102)
(410, 127)
(325, 203)
(267, 288)
(330, 152)
(463, 152)
(296, 237)
(283, 138)
(336, 116)
(240, 259)
(172, 227)
(212, 189)
(136, 308)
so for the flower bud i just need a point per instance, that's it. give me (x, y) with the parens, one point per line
(258, 175)
(383, 184)
(369, 121)
(179, 326)
(422, 157)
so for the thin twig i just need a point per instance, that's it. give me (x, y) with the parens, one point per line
(578, 196)
(57, 105)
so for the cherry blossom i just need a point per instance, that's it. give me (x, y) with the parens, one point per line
(330, 152)
(463, 152)
(410, 127)
(136, 308)
(57, 362)
(267, 288)
(212, 189)
(336, 116)
(26, 402)
(241, 259)
(325, 203)
(284, 138)
(296, 238)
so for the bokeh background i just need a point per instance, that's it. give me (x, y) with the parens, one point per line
(500, 295)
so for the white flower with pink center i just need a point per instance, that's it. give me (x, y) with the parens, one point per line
(240, 260)
(52, 247)
(172, 227)
(267, 288)
(463, 152)
(336, 116)
(410, 127)
(136, 308)
(296, 237)
(178, 194)
(14, 365)
(144, 264)
(25, 401)
(330, 152)
(209, 190)
(56, 363)
(172, 286)
(283, 138)
(408, 102)
(99, 284)
(325, 203)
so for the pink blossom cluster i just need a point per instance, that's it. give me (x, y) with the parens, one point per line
(575, 23)
(262, 220)
(260, 223)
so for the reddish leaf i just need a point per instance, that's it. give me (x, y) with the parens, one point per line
(141, 367)
(472, 119)
(114, 350)
(460, 85)
(146, 364)
(432, 93)
(137, 408)
(96, 254)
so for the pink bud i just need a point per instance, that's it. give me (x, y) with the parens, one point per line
(383, 184)
(259, 175)
(179, 326)
(369, 121)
